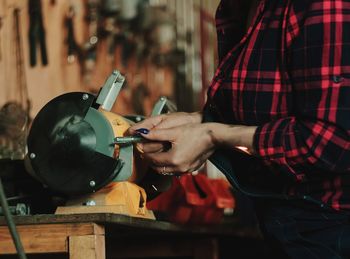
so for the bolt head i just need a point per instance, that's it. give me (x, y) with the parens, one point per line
(32, 155)
(85, 97)
(92, 183)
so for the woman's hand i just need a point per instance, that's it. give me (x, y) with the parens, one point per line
(190, 146)
(164, 121)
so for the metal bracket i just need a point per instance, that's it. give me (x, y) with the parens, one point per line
(110, 90)
(164, 105)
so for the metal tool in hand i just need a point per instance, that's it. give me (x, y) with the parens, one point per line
(163, 105)
(128, 140)
(36, 32)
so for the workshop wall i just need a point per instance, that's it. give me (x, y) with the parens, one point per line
(43, 82)
(173, 69)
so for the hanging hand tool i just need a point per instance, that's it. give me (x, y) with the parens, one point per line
(1, 25)
(14, 114)
(73, 49)
(36, 32)
(90, 46)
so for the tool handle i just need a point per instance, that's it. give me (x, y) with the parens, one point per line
(32, 44)
(43, 51)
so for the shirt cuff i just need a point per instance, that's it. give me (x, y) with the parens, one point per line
(271, 145)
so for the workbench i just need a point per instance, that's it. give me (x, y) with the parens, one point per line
(106, 235)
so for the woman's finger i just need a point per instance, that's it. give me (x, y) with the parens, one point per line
(148, 123)
(151, 147)
(165, 135)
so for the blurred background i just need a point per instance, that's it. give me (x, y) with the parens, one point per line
(163, 47)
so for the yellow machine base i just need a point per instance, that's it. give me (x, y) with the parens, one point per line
(121, 198)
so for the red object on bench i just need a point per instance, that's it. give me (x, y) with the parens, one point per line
(195, 199)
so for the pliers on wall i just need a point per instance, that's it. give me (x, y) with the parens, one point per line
(36, 32)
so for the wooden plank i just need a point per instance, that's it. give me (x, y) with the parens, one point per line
(87, 247)
(46, 238)
(233, 228)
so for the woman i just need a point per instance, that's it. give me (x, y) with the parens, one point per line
(282, 90)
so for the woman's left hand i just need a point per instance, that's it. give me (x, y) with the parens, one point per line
(191, 145)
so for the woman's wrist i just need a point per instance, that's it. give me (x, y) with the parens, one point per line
(196, 117)
(232, 136)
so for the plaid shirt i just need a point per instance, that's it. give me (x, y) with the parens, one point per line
(289, 74)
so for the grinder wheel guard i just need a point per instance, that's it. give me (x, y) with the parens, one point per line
(69, 142)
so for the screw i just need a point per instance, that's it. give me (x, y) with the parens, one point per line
(85, 97)
(93, 40)
(92, 183)
(32, 155)
(90, 203)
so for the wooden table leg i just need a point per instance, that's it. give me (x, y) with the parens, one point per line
(87, 247)
(51, 238)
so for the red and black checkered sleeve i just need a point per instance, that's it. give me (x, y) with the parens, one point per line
(316, 137)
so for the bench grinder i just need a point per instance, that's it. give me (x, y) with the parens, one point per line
(72, 150)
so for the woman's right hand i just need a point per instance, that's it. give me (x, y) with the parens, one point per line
(163, 121)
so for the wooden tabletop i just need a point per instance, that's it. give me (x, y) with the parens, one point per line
(122, 222)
